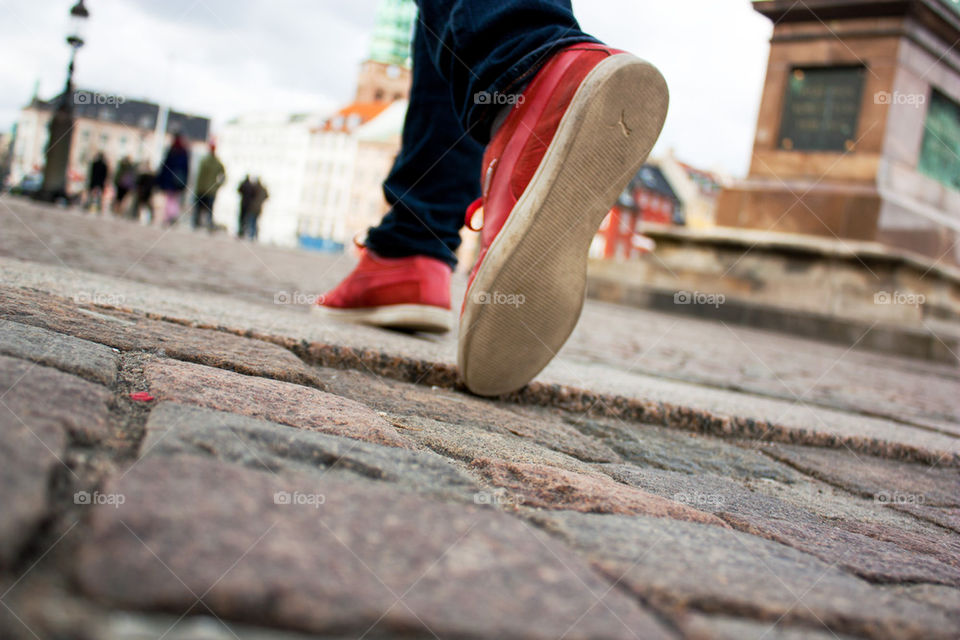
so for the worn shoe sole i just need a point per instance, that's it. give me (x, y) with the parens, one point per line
(529, 291)
(411, 317)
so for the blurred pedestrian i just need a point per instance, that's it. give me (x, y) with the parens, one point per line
(260, 195)
(246, 191)
(172, 178)
(96, 182)
(143, 193)
(209, 178)
(124, 180)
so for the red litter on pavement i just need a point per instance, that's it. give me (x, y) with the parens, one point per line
(141, 396)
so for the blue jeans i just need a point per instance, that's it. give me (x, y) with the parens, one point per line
(465, 52)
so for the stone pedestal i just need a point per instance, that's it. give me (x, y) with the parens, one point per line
(860, 107)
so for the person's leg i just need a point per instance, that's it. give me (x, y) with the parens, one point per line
(582, 119)
(197, 212)
(435, 175)
(460, 74)
(486, 52)
(208, 211)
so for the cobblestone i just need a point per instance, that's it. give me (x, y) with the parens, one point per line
(286, 476)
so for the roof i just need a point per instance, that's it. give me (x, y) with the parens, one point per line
(386, 127)
(652, 179)
(137, 114)
(353, 115)
(708, 182)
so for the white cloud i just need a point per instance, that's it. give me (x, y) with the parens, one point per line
(226, 57)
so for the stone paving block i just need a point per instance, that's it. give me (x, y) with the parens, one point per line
(942, 546)
(272, 400)
(873, 559)
(706, 492)
(674, 450)
(41, 409)
(84, 358)
(887, 481)
(718, 627)
(947, 599)
(452, 407)
(721, 496)
(680, 566)
(545, 487)
(129, 332)
(690, 406)
(127, 626)
(468, 444)
(362, 558)
(945, 517)
(832, 503)
(174, 429)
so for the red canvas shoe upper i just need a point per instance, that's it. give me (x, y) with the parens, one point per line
(378, 282)
(518, 147)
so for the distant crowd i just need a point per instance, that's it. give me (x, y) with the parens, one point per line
(135, 185)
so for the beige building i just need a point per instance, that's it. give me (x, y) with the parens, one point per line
(697, 189)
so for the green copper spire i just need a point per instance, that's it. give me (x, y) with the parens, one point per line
(393, 32)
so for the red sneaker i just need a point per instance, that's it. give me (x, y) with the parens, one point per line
(402, 293)
(585, 125)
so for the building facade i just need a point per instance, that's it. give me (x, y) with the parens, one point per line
(324, 172)
(648, 199)
(106, 124)
(697, 189)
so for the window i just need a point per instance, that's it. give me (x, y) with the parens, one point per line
(940, 151)
(821, 109)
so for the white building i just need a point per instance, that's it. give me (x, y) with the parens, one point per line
(323, 173)
(351, 153)
(273, 147)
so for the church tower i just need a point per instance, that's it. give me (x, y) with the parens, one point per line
(385, 75)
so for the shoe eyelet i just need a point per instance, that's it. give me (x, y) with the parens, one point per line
(472, 217)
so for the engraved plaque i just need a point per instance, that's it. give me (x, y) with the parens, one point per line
(821, 109)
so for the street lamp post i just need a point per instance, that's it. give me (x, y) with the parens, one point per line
(61, 123)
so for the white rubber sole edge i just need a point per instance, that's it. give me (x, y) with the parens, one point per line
(536, 266)
(413, 317)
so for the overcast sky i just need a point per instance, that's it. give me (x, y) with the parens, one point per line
(225, 57)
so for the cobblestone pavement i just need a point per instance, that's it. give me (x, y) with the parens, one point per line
(187, 453)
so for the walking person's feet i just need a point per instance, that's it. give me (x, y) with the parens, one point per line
(581, 130)
(584, 126)
(402, 293)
